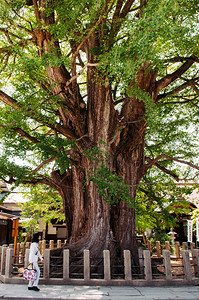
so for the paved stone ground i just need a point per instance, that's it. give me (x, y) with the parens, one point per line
(70, 292)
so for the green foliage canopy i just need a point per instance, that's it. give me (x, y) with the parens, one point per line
(159, 36)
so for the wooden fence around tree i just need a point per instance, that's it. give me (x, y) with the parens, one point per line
(168, 266)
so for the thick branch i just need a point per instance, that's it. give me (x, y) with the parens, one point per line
(26, 135)
(34, 181)
(89, 33)
(43, 164)
(126, 8)
(37, 14)
(194, 88)
(165, 170)
(182, 59)
(165, 81)
(173, 92)
(56, 126)
(155, 160)
(8, 100)
(119, 16)
(79, 74)
(189, 82)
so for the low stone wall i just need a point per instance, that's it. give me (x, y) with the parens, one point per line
(164, 269)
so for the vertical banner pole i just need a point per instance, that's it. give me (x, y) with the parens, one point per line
(189, 232)
(197, 232)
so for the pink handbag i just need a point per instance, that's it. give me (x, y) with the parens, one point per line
(29, 274)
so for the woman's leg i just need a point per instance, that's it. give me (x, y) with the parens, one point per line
(36, 267)
(30, 283)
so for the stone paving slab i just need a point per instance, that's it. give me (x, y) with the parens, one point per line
(70, 292)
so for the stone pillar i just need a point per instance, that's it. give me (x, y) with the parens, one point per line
(186, 265)
(158, 248)
(195, 255)
(127, 265)
(107, 265)
(47, 263)
(147, 265)
(3, 260)
(86, 264)
(58, 243)
(9, 261)
(66, 264)
(26, 260)
(167, 264)
(177, 249)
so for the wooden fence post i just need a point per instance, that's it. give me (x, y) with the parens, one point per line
(149, 246)
(46, 263)
(167, 264)
(184, 246)
(107, 265)
(22, 252)
(9, 260)
(51, 244)
(127, 265)
(158, 248)
(40, 247)
(58, 243)
(192, 246)
(27, 246)
(167, 246)
(43, 247)
(86, 264)
(186, 265)
(147, 265)
(66, 264)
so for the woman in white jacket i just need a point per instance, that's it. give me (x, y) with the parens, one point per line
(33, 260)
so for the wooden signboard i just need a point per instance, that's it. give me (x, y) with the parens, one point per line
(15, 230)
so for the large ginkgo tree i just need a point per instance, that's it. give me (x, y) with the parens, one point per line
(95, 94)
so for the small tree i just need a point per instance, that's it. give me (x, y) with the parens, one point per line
(42, 206)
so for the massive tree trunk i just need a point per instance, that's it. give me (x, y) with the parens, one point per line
(92, 223)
